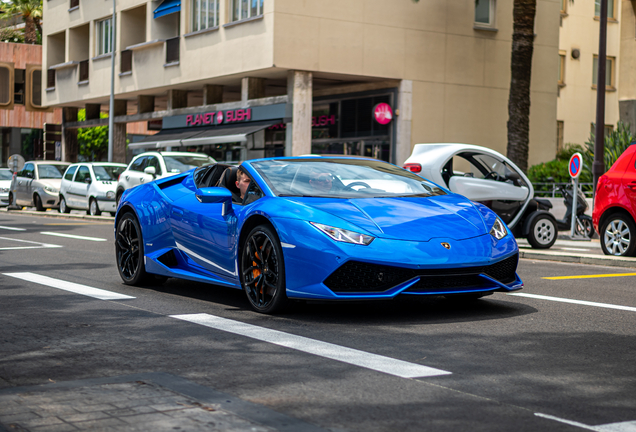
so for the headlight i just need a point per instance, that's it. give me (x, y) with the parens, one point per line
(343, 235)
(498, 229)
(50, 189)
(110, 194)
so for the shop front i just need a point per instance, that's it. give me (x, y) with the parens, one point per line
(357, 124)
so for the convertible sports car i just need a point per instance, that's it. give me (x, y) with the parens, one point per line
(321, 228)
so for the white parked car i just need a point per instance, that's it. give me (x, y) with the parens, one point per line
(90, 186)
(5, 184)
(149, 166)
(37, 184)
(486, 176)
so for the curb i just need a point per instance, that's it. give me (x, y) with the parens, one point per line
(56, 214)
(602, 260)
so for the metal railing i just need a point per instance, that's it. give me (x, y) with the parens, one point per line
(552, 190)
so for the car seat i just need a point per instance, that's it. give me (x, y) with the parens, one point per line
(228, 181)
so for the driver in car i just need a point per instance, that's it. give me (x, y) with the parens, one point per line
(242, 182)
(321, 182)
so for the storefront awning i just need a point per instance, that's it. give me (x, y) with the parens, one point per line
(168, 7)
(198, 137)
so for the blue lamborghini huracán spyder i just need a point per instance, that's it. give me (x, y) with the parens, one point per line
(313, 228)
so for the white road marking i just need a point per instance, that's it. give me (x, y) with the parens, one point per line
(628, 426)
(73, 236)
(39, 244)
(323, 349)
(12, 228)
(70, 286)
(581, 302)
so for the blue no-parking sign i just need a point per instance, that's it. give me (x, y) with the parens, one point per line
(576, 165)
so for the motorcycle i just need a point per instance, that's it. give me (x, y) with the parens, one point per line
(583, 226)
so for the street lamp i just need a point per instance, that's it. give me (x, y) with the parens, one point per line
(111, 109)
(598, 167)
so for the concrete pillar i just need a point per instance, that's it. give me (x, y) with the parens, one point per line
(403, 122)
(119, 143)
(121, 107)
(145, 104)
(252, 88)
(300, 98)
(70, 148)
(92, 111)
(177, 99)
(212, 94)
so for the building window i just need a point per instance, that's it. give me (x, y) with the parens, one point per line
(205, 14)
(104, 36)
(243, 9)
(610, 9)
(561, 68)
(559, 136)
(485, 13)
(5, 85)
(607, 129)
(19, 86)
(74, 4)
(609, 72)
(36, 88)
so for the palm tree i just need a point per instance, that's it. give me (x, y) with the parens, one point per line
(31, 12)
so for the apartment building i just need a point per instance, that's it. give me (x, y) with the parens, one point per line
(250, 78)
(578, 67)
(22, 112)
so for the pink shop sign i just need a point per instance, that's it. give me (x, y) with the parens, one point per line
(382, 113)
(316, 121)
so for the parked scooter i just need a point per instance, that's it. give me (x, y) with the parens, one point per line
(583, 226)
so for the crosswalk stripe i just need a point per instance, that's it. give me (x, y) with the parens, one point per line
(581, 302)
(70, 286)
(355, 357)
(73, 236)
(12, 228)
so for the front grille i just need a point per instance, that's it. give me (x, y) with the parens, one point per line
(355, 276)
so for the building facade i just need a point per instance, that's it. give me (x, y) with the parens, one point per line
(241, 79)
(578, 66)
(22, 112)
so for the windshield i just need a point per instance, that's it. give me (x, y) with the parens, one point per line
(107, 172)
(51, 171)
(5, 175)
(178, 164)
(342, 178)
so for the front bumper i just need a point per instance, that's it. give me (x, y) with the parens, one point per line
(107, 205)
(320, 268)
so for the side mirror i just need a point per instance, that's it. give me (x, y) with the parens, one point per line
(88, 180)
(215, 195)
(150, 171)
(28, 174)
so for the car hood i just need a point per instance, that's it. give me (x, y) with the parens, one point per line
(415, 219)
(54, 183)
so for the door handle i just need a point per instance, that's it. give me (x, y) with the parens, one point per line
(127, 177)
(632, 185)
(141, 179)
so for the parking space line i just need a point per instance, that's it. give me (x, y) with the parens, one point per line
(351, 356)
(69, 286)
(12, 228)
(40, 245)
(581, 302)
(590, 276)
(73, 236)
(628, 426)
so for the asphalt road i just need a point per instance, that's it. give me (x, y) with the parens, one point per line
(561, 361)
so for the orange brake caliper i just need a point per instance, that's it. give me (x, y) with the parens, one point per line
(256, 272)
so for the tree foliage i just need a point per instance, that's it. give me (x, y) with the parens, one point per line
(31, 13)
(9, 34)
(93, 141)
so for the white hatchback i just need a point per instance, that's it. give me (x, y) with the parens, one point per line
(90, 186)
(149, 166)
(5, 185)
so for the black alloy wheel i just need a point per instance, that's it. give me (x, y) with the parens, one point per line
(263, 271)
(63, 207)
(129, 251)
(38, 203)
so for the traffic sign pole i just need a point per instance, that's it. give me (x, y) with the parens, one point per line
(575, 166)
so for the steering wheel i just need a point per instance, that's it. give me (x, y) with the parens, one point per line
(493, 175)
(357, 183)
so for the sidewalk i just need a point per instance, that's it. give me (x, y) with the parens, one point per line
(144, 402)
(581, 252)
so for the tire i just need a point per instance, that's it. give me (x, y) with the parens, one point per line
(588, 226)
(113, 214)
(63, 207)
(263, 271)
(129, 251)
(543, 232)
(618, 236)
(38, 203)
(93, 208)
(12, 204)
(118, 198)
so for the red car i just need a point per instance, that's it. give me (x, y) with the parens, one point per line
(615, 206)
